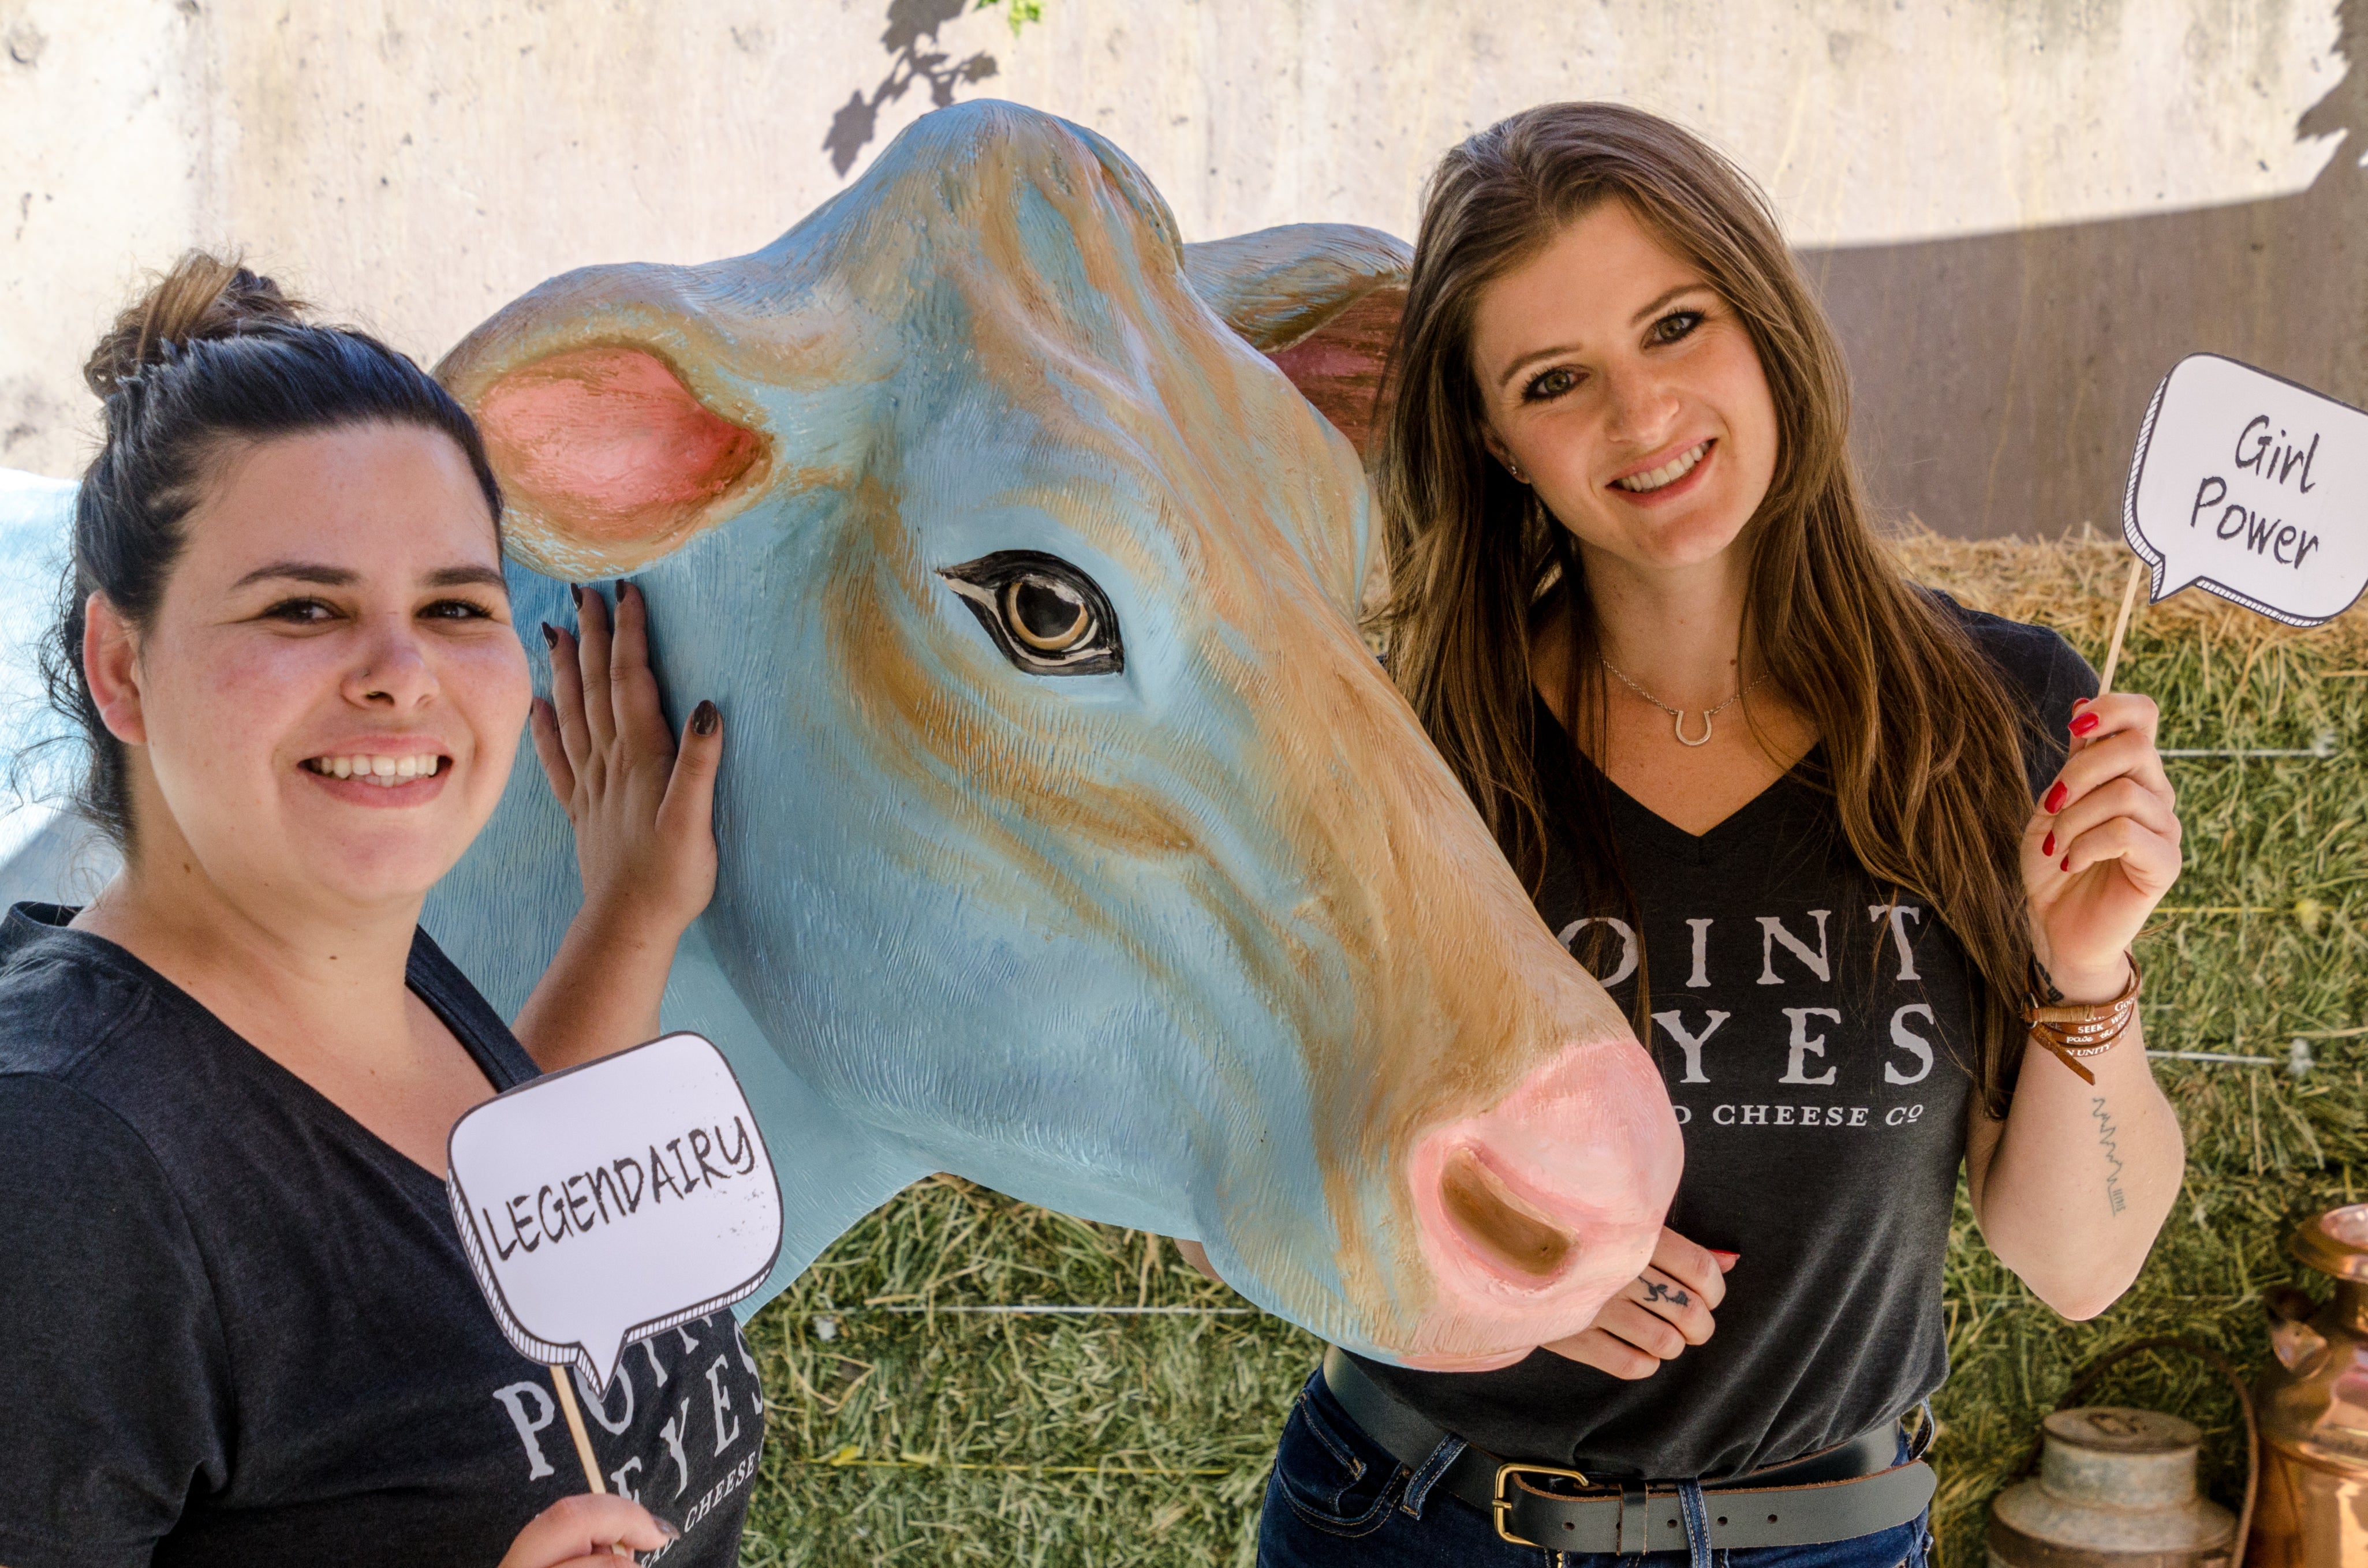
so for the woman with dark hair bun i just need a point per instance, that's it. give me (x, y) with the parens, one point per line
(1845, 849)
(241, 1327)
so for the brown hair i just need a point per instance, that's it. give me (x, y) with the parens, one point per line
(1919, 732)
(211, 354)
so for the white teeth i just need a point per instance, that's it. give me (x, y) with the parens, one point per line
(1677, 468)
(383, 771)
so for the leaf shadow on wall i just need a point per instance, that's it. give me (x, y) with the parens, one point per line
(1998, 380)
(912, 24)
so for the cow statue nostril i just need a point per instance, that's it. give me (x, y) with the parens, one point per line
(1534, 1209)
(1497, 1223)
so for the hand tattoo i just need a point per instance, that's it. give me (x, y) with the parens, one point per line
(1657, 1291)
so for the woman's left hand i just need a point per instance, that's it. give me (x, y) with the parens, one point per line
(642, 808)
(2102, 848)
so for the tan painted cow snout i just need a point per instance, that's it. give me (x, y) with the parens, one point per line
(1527, 1212)
(1500, 1150)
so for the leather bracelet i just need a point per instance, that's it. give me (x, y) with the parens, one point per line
(2075, 1031)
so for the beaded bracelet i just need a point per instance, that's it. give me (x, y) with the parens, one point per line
(2072, 1030)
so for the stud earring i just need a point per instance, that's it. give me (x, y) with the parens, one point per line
(1515, 470)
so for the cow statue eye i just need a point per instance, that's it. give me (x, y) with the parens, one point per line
(1048, 618)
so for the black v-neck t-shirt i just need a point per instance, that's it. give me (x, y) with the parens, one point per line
(1815, 1041)
(240, 1328)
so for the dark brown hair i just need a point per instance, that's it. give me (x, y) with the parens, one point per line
(1919, 732)
(211, 355)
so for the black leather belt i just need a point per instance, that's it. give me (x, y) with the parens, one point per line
(1839, 1493)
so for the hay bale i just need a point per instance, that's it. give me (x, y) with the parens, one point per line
(2260, 942)
(2074, 583)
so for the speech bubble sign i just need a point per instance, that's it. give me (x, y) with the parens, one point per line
(2252, 487)
(614, 1201)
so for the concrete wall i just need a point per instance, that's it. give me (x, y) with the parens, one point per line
(2021, 211)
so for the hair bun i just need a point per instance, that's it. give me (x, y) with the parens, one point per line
(203, 297)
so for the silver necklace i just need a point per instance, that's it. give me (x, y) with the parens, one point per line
(1678, 715)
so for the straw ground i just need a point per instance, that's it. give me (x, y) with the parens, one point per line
(956, 1438)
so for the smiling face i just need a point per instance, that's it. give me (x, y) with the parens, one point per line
(1621, 386)
(324, 708)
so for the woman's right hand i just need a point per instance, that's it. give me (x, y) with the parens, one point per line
(586, 1531)
(1656, 1314)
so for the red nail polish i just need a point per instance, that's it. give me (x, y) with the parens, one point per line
(2085, 723)
(2067, 863)
(2079, 702)
(2054, 802)
(2048, 844)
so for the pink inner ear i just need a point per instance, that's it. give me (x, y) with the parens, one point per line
(1339, 366)
(609, 446)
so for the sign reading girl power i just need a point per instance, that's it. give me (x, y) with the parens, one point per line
(2252, 487)
(614, 1201)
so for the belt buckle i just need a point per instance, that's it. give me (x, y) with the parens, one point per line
(1502, 1503)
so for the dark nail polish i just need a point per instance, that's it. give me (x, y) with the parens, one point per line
(704, 718)
(2085, 723)
(2048, 844)
(550, 635)
(618, 588)
(2054, 802)
(575, 593)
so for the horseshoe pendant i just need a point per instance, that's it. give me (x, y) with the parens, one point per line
(1678, 722)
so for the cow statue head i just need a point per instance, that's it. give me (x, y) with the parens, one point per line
(1073, 842)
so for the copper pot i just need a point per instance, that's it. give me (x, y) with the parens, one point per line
(2312, 1398)
(2115, 1489)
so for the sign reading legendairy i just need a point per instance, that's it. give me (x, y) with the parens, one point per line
(614, 1201)
(2252, 487)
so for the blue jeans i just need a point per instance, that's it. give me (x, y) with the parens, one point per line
(1337, 1497)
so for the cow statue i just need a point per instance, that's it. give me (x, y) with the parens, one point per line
(1073, 841)
(43, 852)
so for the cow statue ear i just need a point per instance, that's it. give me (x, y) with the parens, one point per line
(1322, 301)
(615, 435)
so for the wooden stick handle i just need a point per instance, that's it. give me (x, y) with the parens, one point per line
(560, 1381)
(2121, 626)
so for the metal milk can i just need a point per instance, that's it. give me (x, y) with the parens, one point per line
(2312, 1398)
(2115, 1489)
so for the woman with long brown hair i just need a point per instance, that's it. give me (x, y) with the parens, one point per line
(1844, 847)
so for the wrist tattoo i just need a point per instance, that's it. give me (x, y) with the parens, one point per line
(2107, 1138)
(2050, 994)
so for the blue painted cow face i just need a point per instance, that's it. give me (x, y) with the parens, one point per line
(1073, 841)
